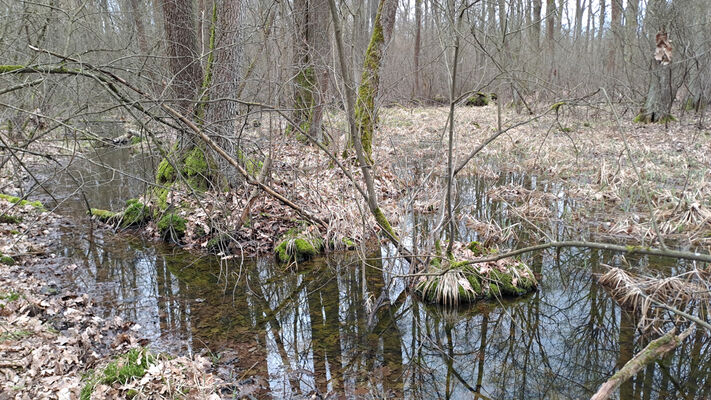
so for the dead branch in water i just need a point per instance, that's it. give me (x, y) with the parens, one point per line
(654, 350)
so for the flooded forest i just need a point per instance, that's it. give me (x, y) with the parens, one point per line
(355, 199)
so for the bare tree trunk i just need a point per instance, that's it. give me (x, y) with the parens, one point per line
(579, 7)
(616, 30)
(601, 25)
(304, 73)
(138, 23)
(311, 54)
(537, 8)
(321, 46)
(418, 45)
(182, 49)
(226, 73)
(550, 34)
(366, 112)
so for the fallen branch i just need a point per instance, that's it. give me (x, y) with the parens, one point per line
(654, 350)
(687, 255)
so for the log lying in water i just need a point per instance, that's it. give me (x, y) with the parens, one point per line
(654, 350)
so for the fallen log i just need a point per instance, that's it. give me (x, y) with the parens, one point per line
(655, 349)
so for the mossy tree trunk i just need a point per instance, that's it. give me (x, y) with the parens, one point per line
(658, 104)
(365, 110)
(190, 161)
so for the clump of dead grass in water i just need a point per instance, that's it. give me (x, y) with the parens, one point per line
(642, 294)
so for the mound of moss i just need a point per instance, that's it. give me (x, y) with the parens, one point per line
(7, 260)
(478, 99)
(456, 282)
(172, 226)
(135, 214)
(298, 245)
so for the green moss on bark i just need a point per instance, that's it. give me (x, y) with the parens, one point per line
(383, 222)
(105, 216)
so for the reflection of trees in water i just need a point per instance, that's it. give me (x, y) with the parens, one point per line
(309, 329)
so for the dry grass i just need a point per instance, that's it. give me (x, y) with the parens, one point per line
(688, 291)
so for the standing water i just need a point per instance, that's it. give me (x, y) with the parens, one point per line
(287, 332)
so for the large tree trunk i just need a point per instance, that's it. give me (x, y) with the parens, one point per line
(365, 109)
(661, 92)
(321, 46)
(182, 49)
(537, 7)
(303, 76)
(616, 37)
(550, 35)
(601, 24)
(657, 106)
(222, 80)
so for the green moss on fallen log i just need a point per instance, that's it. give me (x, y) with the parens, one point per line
(105, 216)
(16, 200)
(135, 214)
(478, 99)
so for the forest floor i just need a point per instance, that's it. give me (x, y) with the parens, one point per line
(52, 343)
(573, 155)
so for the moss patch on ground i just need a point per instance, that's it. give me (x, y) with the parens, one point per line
(7, 260)
(132, 365)
(9, 219)
(22, 203)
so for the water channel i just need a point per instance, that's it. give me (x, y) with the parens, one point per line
(292, 332)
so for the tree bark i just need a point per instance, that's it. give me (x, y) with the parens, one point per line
(365, 109)
(321, 47)
(537, 8)
(183, 54)
(223, 78)
(418, 45)
(140, 29)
